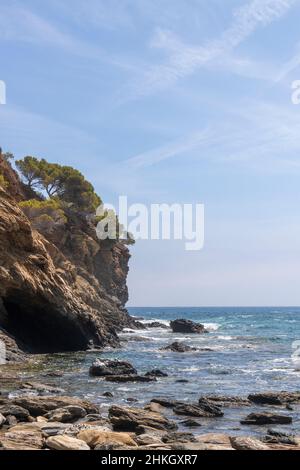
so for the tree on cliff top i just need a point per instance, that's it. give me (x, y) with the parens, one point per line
(63, 182)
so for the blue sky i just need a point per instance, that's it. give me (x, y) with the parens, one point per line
(198, 92)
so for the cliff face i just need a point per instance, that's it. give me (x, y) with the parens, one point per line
(63, 293)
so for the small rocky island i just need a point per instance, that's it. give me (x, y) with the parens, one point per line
(62, 290)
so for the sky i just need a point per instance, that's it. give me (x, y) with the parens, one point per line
(171, 101)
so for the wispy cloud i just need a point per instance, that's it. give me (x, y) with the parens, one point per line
(184, 60)
(169, 150)
(20, 24)
(289, 66)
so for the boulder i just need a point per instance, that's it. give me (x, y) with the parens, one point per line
(66, 443)
(21, 440)
(2, 420)
(96, 437)
(108, 395)
(221, 440)
(7, 408)
(187, 326)
(130, 419)
(227, 401)
(41, 389)
(130, 378)
(190, 423)
(156, 373)
(178, 347)
(39, 406)
(260, 419)
(275, 398)
(111, 367)
(247, 443)
(178, 437)
(197, 411)
(68, 414)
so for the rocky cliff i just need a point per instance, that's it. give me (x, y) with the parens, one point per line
(65, 292)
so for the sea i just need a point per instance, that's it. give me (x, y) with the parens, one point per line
(247, 350)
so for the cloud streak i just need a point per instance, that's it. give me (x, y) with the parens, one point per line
(184, 60)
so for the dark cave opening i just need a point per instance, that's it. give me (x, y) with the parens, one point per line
(40, 329)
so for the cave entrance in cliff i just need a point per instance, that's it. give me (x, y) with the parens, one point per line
(40, 330)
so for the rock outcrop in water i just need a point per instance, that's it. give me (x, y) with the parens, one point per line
(63, 292)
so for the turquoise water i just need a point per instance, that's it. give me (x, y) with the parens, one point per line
(251, 351)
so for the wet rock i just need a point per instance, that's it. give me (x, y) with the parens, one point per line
(179, 347)
(205, 411)
(166, 402)
(190, 423)
(247, 443)
(278, 436)
(39, 406)
(182, 381)
(21, 440)
(132, 400)
(148, 439)
(260, 419)
(130, 378)
(178, 437)
(41, 389)
(156, 324)
(275, 398)
(227, 401)
(130, 419)
(212, 439)
(156, 373)
(111, 368)
(68, 414)
(94, 438)
(93, 418)
(10, 409)
(187, 326)
(66, 443)
(53, 429)
(210, 407)
(108, 395)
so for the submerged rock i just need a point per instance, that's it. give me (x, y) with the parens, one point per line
(187, 326)
(179, 347)
(190, 423)
(205, 411)
(260, 419)
(111, 367)
(131, 419)
(156, 373)
(40, 388)
(130, 378)
(275, 398)
(156, 324)
(227, 401)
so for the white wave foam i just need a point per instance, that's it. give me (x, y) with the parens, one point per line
(211, 326)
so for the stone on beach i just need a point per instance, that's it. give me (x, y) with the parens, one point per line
(96, 437)
(68, 414)
(66, 443)
(39, 406)
(130, 378)
(111, 367)
(7, 408)
(21, 440)
(130, 419)
(205, 411)
(247, 443)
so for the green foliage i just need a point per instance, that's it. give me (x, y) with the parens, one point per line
(64, 182)
(45, 216)
(8, 156)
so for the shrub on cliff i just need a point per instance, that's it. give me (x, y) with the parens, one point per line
(3, 182)
(63, 182)
(45, 216)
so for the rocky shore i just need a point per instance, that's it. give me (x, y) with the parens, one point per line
(38, 416)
